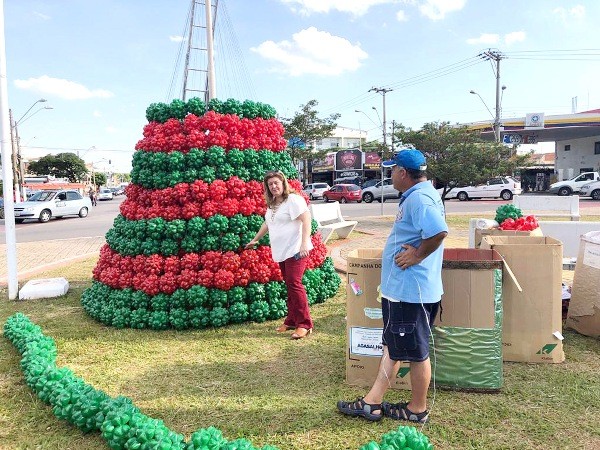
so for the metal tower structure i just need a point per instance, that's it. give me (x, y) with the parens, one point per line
(199, 67)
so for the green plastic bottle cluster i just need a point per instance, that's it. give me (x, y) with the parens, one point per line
(161, 170)
(121, 424)
(178, 109)
(199, 307)
(507, 211)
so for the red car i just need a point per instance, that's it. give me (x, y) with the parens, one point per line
(343, 193)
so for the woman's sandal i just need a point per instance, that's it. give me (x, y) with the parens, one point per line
(301, 333)
(400, 411)
(283, 328)
(360, 408)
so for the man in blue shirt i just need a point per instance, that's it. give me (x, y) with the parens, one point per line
(411, 289)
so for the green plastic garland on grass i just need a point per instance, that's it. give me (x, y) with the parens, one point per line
(121, 423)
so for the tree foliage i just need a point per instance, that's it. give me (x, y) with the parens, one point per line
(98, 179)
(305, 128)
(458, 156)
(62, 165)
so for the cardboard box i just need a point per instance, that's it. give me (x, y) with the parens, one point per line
(468, 332)
(468, 299)
(532, 325)
(364, 320)
(584, 306)
(480, 233)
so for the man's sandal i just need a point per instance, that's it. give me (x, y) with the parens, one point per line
(400, 411)
(360, 408)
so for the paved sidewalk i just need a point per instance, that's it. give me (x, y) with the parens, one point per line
(36, 257)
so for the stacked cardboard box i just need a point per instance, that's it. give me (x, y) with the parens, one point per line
(584, 306)
(532, 327)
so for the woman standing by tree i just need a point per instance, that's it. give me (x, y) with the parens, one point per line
(288, 221)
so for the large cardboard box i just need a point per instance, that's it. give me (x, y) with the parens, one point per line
(584, 306)
(532, 325)
(364, 321)
(468, 332)
(480, 233)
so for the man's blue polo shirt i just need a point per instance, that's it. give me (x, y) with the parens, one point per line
(420, 216)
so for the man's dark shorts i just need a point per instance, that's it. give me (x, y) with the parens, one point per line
(406, 329)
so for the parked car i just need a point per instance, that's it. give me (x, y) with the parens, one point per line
(369, 183)
(501, 187)
(590, 190)
(117, 190)
(568, 187)
(374, 192)
(105, 194)
(315, 190)
(44, 205)
(343, 193)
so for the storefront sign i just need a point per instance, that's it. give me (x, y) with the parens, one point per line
(348, 160)
(323, 165)
(372, 161)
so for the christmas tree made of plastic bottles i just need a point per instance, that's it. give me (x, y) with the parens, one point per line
(175, 255)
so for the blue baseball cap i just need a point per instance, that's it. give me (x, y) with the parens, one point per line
(409, 159)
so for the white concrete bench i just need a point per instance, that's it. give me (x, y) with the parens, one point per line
(329, 219)
(548, 205)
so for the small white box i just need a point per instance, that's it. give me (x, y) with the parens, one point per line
(44, 288)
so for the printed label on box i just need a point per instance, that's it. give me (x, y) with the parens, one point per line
(355, 287)
(591, 255)
(373, 313)
(366, 341)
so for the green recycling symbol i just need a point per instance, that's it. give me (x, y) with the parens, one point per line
(403, 372)
(546, 349)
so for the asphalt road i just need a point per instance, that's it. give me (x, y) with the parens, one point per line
(101, 218)
(97, 223)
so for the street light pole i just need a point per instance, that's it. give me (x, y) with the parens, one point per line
(496, 56)
(382, 91)
(18, 168)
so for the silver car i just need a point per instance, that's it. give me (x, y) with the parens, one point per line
(44, 205)
(315, 190)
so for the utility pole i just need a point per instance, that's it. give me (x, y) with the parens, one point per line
(15, 157)
(496, 56)
(382, 91)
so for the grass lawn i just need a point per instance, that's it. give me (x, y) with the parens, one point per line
(250, 382)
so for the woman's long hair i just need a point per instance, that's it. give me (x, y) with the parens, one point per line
(269, 199)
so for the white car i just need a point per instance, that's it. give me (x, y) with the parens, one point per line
(315, 190)
(105, 194)
(44, 205)
(374, 192)
(590, 190)
(501, 187)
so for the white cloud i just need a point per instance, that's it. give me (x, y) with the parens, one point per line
(42, 16)
(401, 16)
(354, 7)
(576, 12)
(484, 38)
(176, 38)
(515, 36)
(437, 9)
(312, 52)
(97, 113)
(111, 129)
(65, 89)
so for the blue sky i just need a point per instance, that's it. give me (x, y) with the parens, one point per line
(99, 64)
